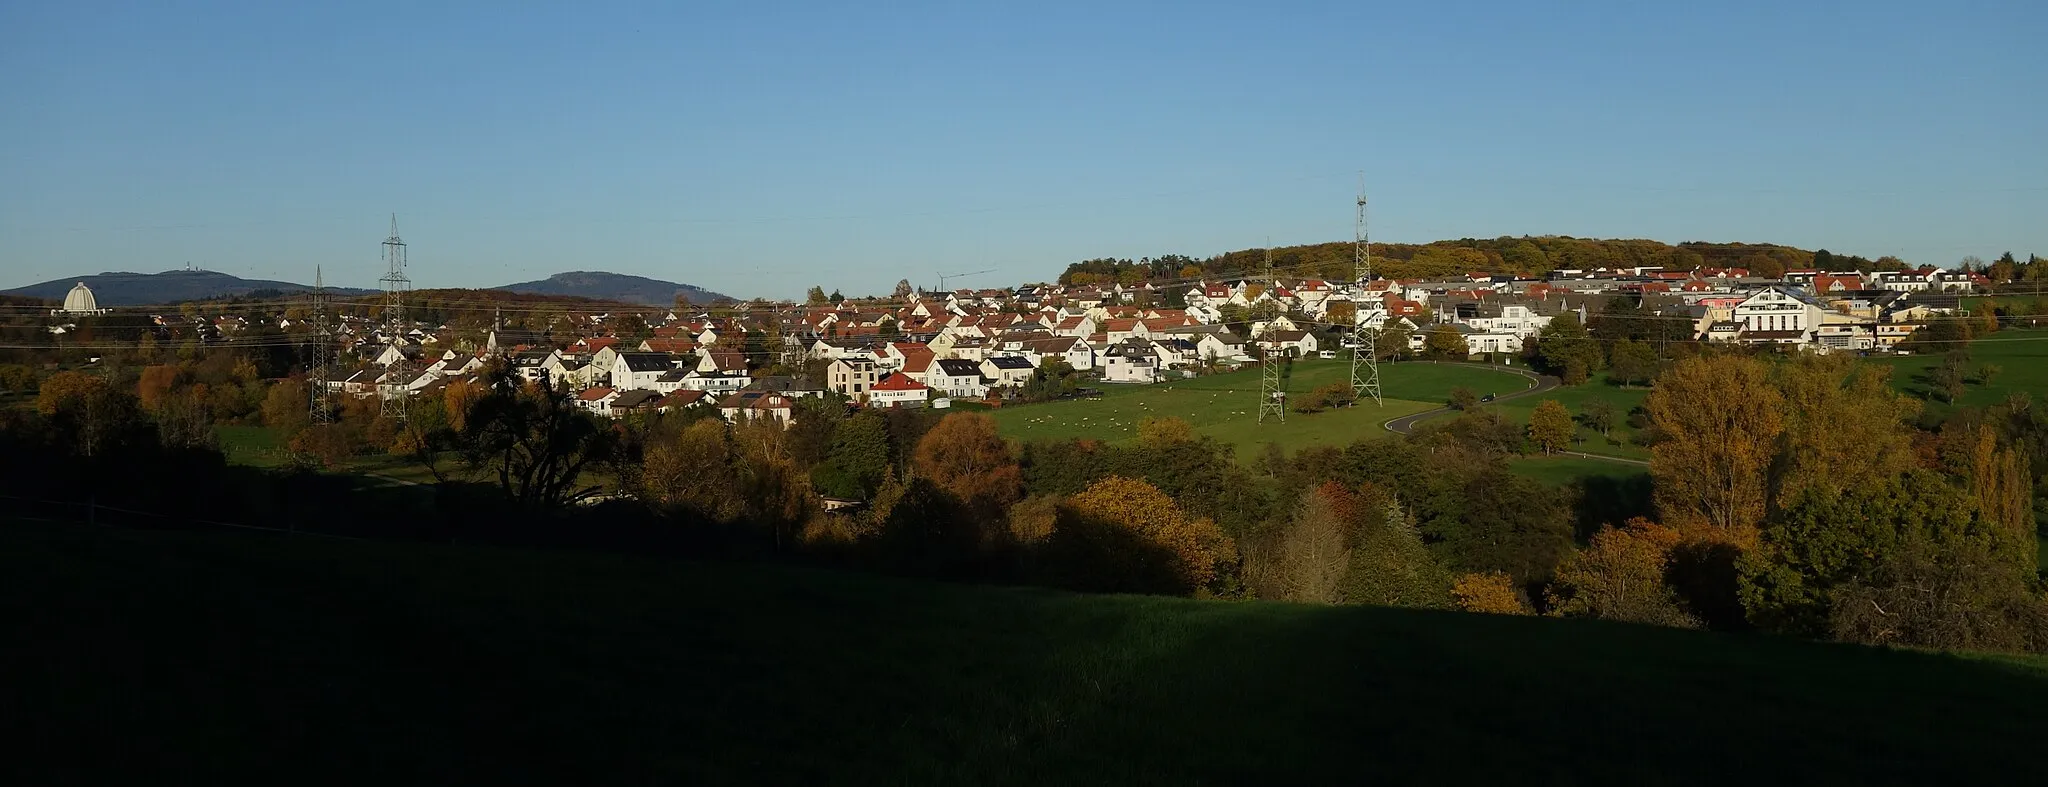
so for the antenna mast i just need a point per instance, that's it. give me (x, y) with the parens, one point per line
(396, 285)
(318, 411)
(1272, 397)
(1365, 358)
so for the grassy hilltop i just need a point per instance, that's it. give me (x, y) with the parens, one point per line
(237, 659)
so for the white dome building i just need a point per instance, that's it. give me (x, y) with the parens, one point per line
(80, 301)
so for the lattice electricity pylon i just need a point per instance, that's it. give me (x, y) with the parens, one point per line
(317, 409)
(1365, 359)
(395, 286)
(1272, 389)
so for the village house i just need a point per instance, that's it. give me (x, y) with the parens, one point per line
(636, 370)
(1007, 371)
(956, 378)
(898, 390)
(597, 400)
(745, 406)
(851, 377)
(719, 372)
(1778, 315)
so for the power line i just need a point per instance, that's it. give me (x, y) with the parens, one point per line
(1365, 361)
(396, 284)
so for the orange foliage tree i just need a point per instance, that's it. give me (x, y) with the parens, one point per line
(1491, 592)
(1718, 418)
(1123, 534)
(965, 456)
(1620, 576)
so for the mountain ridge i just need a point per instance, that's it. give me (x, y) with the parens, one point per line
(128, 288)
(624, 287)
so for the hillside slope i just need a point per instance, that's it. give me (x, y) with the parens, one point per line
(234, 659)
(616, 287)
(122, 288)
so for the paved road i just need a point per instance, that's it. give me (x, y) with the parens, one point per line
(1538, 383)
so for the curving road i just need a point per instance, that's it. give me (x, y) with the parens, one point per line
(1538, 383)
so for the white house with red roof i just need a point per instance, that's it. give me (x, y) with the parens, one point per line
(898, 390)
(597, 400)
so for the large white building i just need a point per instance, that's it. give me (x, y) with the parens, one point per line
(80, 302)
(1779, 315)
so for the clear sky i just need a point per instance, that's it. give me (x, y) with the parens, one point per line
(756, 148)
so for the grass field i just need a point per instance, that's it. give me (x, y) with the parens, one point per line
(253, 446)
(235, 659)
(2022, 355)
(1575, 398)
(1225, 406)
(1560, 470)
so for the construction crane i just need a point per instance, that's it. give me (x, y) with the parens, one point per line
(944, 276)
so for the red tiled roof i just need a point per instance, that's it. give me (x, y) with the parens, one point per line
(594, 394)
(899, 382)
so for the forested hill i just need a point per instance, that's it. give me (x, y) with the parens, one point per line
(1505, 255)
(169, 287)
(618, 287)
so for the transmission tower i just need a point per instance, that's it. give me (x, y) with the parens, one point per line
(323, 351)
(1365, 359)
(395, 286)
(1272, 393)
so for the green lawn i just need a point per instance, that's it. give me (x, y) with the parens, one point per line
(254, 446)
(1575, 398)
(231, 659)
(2022, 356)
(1225, 406)
(1561, 470)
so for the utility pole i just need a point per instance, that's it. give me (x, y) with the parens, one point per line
(395, 287)
(319, 414)
(1365, 358)
(1272, 396)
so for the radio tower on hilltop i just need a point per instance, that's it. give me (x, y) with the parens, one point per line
(1272, 396)
(323, 350)
(1365, 359)
(395, 286)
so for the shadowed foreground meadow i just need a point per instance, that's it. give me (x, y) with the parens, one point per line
(132, 656)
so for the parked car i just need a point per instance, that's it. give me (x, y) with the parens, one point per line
(1326, 353)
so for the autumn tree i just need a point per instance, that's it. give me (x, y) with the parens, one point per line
(815, 296)
(1165, 430)
(83, 407)
(1313, 555)
(534, 441)
(1444, 342)
(692, 472)
(286, 406)
(966, 457)
(1491, 593)
(1566, 349)
(1913, 560)
(1719, 419)
(1630, 362)
(1620, 576)
(1551, 426)
(1598, 415)
(1390, 565)
(1463, 398)
(1122, 534)
(156, 385)
(1850, 430)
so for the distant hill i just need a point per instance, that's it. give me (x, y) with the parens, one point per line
(616, 287)
(121, 288)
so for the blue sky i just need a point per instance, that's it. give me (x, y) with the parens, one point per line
(758, 148)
